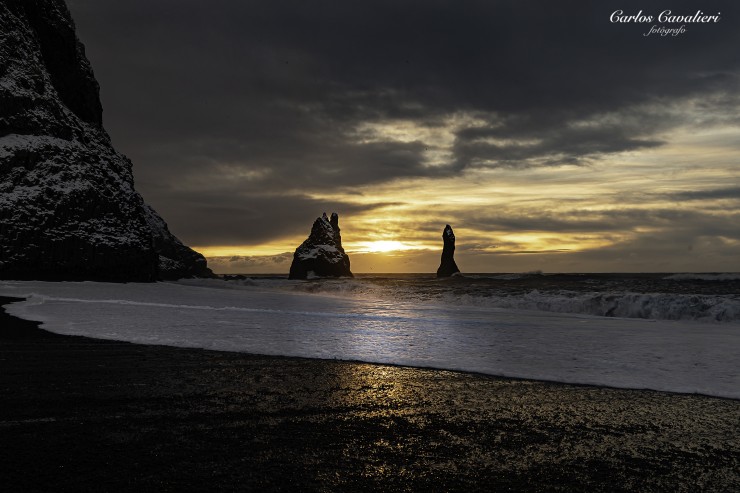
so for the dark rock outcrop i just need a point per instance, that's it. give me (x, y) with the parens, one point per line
(447, 266)
(321, 255)
(68, 207)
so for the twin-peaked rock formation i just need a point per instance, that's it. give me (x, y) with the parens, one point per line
(68, 207)
(321, 255)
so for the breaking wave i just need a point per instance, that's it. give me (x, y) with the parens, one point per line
(658, 306)
(643, 297)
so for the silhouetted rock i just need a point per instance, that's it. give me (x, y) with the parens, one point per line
(176, 260)
(68, 207)
(321, 255)
(447, 266)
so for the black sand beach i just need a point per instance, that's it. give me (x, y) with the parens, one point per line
(81, 414)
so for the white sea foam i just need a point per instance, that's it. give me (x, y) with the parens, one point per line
(265, 318)
(658, 306)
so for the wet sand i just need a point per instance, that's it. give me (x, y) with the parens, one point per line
(80, 414)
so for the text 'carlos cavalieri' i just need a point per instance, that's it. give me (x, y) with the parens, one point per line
(665, 17)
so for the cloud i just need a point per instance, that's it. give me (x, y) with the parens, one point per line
(501, 145)
(236, 114)
(254, 263)
(732, 193)
(609, 221)
(238, 219)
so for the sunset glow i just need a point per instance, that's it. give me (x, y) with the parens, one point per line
(605, 161)
(383, 246)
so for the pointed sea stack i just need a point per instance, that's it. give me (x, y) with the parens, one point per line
(321, 255)
(447, 266)
(68, 207)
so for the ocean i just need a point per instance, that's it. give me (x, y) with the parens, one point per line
(670, 332)
(699, 297)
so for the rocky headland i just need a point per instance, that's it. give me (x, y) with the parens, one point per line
(68, 207)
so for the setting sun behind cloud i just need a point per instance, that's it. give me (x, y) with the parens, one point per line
(382, 246)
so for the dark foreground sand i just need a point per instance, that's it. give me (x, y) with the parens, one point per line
(79, 414)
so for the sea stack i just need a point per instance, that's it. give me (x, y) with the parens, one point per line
(321, 255)
(68, 207)
(447, 266)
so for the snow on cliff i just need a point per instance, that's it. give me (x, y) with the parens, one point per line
(68, 207)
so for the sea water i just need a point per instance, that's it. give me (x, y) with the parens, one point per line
(672, 332)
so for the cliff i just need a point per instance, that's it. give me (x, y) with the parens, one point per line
(68, 207)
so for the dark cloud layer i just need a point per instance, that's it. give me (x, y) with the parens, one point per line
(617, 220)
(249, 219)
(732, 193)
(233, 111)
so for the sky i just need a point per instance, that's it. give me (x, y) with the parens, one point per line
(549, 137)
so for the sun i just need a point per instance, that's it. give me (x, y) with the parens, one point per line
(382, 246)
